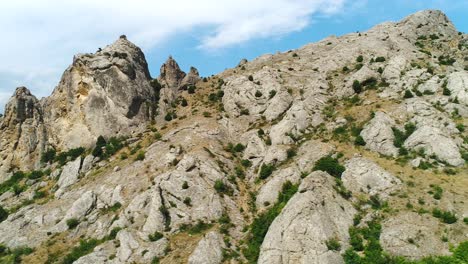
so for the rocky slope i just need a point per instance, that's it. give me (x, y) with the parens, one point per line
(349, 150)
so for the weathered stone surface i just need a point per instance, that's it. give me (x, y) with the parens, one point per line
(457, 83)
(69, 175)
(106, 93)
(312, 216)
(22, 133)
(378, 134)
(128, 245)
(208, 250)
(399, 230)
(434, 142)
(364, 176)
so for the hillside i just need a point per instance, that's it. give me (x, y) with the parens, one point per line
(353, 149)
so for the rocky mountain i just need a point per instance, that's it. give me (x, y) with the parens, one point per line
(353, 149)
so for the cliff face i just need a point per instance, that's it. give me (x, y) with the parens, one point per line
(107, 93)
(23, 135)
(349, 150)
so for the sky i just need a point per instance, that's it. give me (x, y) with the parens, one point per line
(40, 37)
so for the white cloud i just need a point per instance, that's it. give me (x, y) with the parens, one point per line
(39, 38)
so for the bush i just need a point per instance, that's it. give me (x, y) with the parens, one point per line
(188, 201)
(359, 58)
(291, 152)
(155, 236)
(35, 174)
(221, 187)
(72, 223)
(246, 163)
(195, 229)
(446, 91)
(266, 170)
(357, 86)
(48, 156)
(238, 147)
(445, 216)
(85, 247)
(251, 78)
(100, 144)
(3, 214)
(191, 89)
(272, 94)
(140, 155)
(359, 141)
(408, 94)
(258, 94)
(168, 117)
(380, 59)
(333, 244)
(185, 185)
(329, 165)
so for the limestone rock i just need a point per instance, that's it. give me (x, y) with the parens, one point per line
(365, 176)
(128, 244)
(22, 133)
(106, 93)
(190, 79)
(171, 74)
(458, 85)
(70, 174)
(434, 142)
(208, 250)
(378, 135)
(399, 230)
(312, 216)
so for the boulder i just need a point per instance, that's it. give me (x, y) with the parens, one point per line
(457, 83)
(364, 176)
(209, 250)
(434, 142)
(70, 174)
(378, 135)
(315, 214)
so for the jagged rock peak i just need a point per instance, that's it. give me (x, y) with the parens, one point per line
(21, 106)
(171, 74)
(428, 22)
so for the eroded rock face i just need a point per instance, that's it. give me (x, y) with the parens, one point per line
(458, 85)
(208, 250)
(364, 176)
(22, 133)
(378, 135)
(399, 230)
(106, 93)
(434, 142)
(314, 215)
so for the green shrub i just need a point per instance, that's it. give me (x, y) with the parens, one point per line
(359, 141)
(35, 174)
(140, 155)
(446, 91)
(188, 201)
(3, 214)
(290, 153)
(329, 165)
(333, 244)
(221, 187)
(72, 223)
(98, 149)
(85, 247)
(445, 216)
(185, 185)
(258, 94)
(359, 58)
(198, 228)
(191, 89)
(238, 147)
(155, 236)
(408, 94)
(400, 136)
(48, 156)
(461, 128)
(272, 94)
(246, 163)
(266, 170)
(251, 78)
(357, 86)
(380, 59)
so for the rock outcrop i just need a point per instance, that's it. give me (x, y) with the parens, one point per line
(209, 250)
(314, 215)
(378, 135)
(107, 93)
(22, 133)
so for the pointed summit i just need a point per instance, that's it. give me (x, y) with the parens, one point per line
(171, 75)
(427, 22)
(21, 106)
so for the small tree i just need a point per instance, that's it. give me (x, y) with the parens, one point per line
(100, 144)
(357, 87)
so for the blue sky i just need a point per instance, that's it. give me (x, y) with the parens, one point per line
(39, 38)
